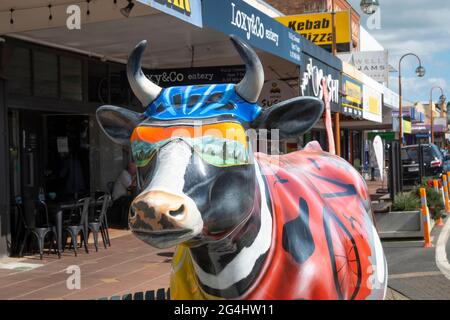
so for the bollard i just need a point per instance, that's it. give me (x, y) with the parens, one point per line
(439, 221)
(436, 185)
(445, 183)
(425, 219)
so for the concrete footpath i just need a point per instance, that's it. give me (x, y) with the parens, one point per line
(414, 272)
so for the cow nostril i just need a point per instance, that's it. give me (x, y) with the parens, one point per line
(176, 213)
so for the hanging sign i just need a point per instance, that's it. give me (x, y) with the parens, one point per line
(352, 102)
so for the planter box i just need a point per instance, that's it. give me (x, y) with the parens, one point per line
(406, 224)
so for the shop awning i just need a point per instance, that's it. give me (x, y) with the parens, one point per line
(173, 43)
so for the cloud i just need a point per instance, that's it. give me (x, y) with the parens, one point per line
(413, 85)
(417, 26)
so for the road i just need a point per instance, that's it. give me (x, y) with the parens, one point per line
(414, 271)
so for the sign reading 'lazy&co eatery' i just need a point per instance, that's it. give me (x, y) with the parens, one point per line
(239, 18)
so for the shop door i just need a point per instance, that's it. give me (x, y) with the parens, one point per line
(66, 156)
(30, 134)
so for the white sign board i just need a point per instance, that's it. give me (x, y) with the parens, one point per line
(390, 98)
(375, 64)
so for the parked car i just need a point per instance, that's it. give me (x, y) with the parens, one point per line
(433, 162)
(446, 155)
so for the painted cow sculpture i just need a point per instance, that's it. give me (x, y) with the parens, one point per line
(247, 225)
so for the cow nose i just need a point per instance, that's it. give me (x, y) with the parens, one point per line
(158, 210)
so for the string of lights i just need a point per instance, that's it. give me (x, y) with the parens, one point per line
(125, 11)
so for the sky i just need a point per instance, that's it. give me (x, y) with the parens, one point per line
(421, 27)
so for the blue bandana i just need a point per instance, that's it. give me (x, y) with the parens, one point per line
(200, 102)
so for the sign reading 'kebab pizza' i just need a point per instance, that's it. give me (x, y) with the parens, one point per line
(317, 27)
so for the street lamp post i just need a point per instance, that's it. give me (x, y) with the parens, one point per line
(369, 6)
(442, 99)
(420, 72)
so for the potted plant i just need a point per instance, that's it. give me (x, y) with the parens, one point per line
(404, 220)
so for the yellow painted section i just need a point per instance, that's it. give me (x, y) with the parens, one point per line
(183, 281)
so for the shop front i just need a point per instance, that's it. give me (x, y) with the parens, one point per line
(362, 112)
(56, 80)
(318, 64)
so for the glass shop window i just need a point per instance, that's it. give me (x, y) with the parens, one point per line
(71, 78)
(18, 70)
(119, 85)
(98, 82)
(45, 71)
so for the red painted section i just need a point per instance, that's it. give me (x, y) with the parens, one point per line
(327, 183)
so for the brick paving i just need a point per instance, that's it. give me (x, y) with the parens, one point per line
(128, 266)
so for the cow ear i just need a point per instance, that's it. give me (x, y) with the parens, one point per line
(118, 123)
(292, 117)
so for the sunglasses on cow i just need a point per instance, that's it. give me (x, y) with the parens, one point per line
(219, 144)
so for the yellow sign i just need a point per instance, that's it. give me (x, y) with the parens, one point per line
(316, 27)
(374, 105)
(354, 92)
(182, 6)
(407, 128)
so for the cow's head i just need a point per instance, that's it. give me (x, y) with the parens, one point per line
(195, 174)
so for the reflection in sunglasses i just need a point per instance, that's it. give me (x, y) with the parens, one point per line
(223, 144)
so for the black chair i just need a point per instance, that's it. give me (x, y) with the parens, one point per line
(40, 232)
(98, 223)
(74, 227)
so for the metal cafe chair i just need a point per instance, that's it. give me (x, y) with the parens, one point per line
(39, 232)
(74, 228)
(98, 223)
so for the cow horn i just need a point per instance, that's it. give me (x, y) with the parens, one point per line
(250, 87)
(145, 90)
